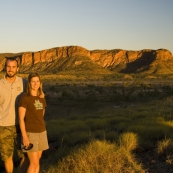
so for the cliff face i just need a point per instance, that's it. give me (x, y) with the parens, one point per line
(78, 58)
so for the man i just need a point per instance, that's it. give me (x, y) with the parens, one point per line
(11, 88)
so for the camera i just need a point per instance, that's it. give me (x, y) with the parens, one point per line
(30, 146)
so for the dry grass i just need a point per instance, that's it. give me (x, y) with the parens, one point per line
(165, 149)
(128, 141)
(101, 157)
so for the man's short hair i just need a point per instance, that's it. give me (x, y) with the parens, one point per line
(11, 59)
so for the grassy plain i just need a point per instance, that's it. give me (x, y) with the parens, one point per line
(84, 109)
(88, 113)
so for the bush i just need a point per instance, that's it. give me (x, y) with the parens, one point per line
(128, 141)
(102, 157)
(165, 149)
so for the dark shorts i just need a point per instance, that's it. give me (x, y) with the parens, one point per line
(10, 137)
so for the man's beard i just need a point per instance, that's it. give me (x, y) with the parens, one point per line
(10, 75)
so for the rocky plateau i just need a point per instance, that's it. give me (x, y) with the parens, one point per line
(77, 58)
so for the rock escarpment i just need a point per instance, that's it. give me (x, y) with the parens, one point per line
(78, 58)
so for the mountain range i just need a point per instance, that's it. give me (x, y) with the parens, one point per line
(78, 59)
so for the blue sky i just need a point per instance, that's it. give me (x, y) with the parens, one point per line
(35, 25)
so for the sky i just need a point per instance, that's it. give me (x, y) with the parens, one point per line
(35, 25)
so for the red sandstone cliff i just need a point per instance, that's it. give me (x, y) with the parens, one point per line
(79, 58)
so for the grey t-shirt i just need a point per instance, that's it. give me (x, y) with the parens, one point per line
(9, 97)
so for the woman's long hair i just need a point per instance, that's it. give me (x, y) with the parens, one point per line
(28, 89)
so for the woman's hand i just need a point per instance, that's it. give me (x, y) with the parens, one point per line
(25, 141)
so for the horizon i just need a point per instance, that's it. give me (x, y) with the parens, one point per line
(82, 47)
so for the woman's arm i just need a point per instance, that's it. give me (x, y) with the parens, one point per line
(22, 112)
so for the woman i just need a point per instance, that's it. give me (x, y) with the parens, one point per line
(31, 120)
